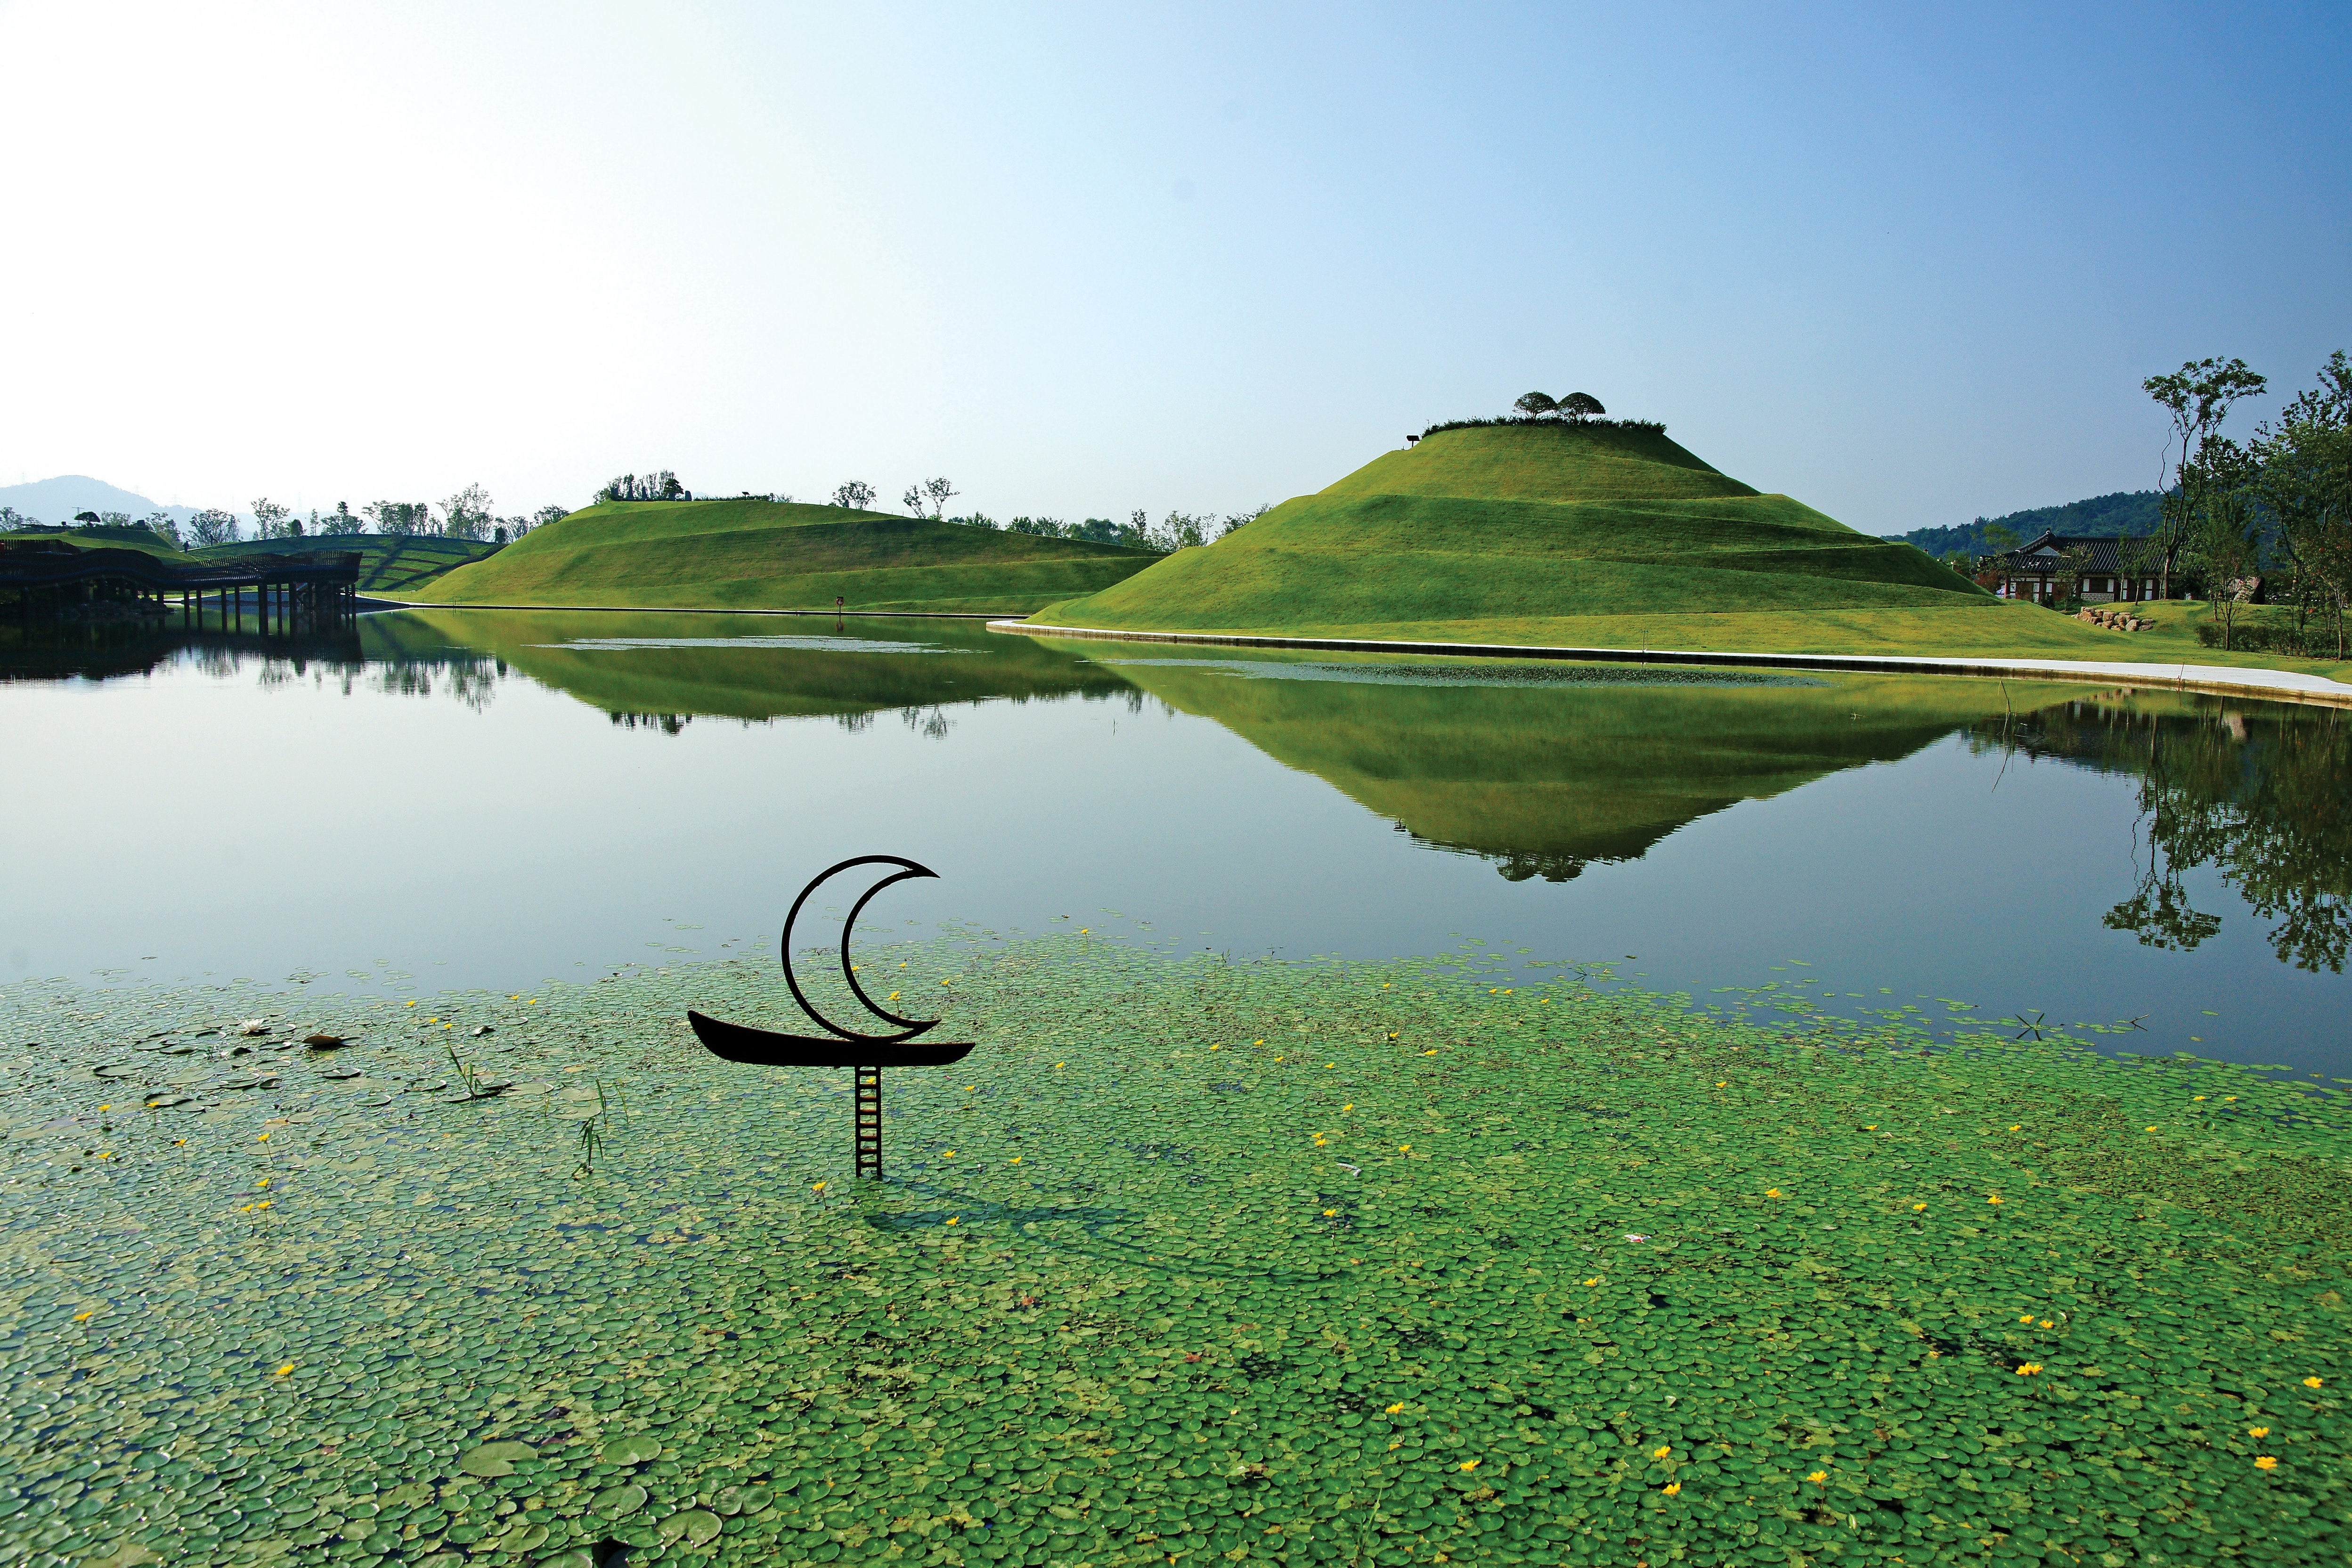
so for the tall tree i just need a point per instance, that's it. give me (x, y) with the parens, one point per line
(857, 496)
(268, 519)
(1536, 404)
(212, 527)
(1582, 405)
(2306, 482)
(466, 514)
(2197, 396)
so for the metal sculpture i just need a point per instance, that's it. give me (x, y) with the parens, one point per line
(864, 1054)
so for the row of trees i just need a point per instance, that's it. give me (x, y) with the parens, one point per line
(1177, 530)
(466, 514)
(2280, 499)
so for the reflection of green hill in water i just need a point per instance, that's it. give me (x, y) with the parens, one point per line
(1550, 771)
(736, 667)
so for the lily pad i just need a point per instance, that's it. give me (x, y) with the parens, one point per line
(620, 1502)
(633, 1449)
(694, 1526)
(492, 1460)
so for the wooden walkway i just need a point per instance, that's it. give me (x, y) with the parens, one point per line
(58, 581)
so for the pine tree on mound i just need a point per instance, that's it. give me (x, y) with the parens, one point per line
(1522, 519)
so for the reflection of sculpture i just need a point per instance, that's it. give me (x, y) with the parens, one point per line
(866, 1054)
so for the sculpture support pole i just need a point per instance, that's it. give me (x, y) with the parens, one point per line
(869, 1121)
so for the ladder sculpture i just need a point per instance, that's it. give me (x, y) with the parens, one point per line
(864, 1054)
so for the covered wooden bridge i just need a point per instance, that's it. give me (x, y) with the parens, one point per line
(54, 580)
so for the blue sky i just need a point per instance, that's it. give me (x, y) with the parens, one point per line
(1085, 259)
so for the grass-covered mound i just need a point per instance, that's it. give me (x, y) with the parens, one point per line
(1519, 522)
(1596, 536)
(1330, 1263)
(396, 564)
(764, 555)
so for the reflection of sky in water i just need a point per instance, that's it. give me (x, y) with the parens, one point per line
(1473, 675)
(1864, 842)
(795, 645)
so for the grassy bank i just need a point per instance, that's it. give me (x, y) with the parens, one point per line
(1304, 1264)
(761, 555)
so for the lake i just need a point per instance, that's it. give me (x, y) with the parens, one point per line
(440, 800)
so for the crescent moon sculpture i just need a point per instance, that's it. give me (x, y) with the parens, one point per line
(866, 1054)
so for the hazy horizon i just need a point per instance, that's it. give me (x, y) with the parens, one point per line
(1910, 270)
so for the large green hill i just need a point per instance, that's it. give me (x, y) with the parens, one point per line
(765, 555)
(1534, 532)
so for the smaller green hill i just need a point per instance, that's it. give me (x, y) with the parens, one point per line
(139, 540)
(392, 564)
(749, 554)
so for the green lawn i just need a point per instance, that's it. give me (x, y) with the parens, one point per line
(1603, 538)
(763, 555)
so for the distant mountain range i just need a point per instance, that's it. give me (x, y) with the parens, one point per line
(57, 500)
(2126, 512)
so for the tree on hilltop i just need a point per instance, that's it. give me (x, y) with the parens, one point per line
(1582, 405)
(857, 496)
(1536, 404)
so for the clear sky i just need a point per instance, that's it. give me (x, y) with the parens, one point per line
(1910, 268)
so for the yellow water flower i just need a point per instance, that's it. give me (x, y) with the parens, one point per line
(1016, 1159)
(2048, 1324)
(2018, 1128)
(1992, 1197)
(1774, 1192)
(1330, 1213)
(283, 1370)
(2028, 1368)
(1917, 1207)
(1818, 1477)
(818, 1187)
(1720, 1085)
(1661, 1450)
(891, 997)
(2314, 1381)
(1594, 1280)
(1346, 1108)
(1395, 1407)
(1674, 1487)
(2265, 1462)
(1468, 1465)
(263, 1138)
(953, 1218)
(1405, 1148)
(78, 1317)
(947, 1154)
(1430, 1052)
(2258, 1431)
(2026, 1319)
(1066, 1064)
(2151, 1129)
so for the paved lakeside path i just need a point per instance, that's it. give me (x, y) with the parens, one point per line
(2281, 685)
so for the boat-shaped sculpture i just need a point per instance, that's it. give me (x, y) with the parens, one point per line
(866, 1054)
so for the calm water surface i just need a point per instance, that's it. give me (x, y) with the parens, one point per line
(458, 798)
